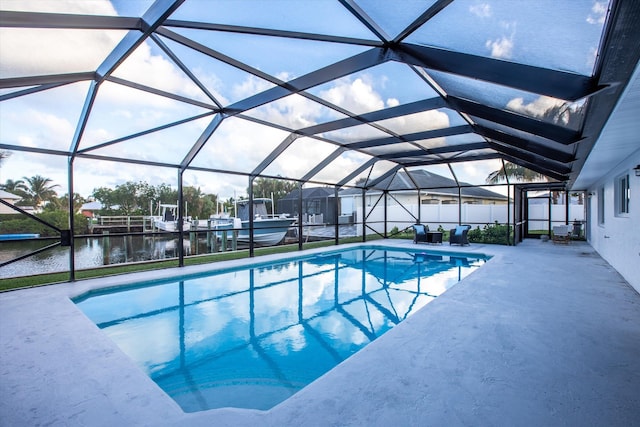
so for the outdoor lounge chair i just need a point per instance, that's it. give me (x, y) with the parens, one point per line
(458, 235)
(561, 234)
(420, 232)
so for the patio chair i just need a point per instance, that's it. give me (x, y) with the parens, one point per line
(458, 235)
(561, 234)
(420, 232)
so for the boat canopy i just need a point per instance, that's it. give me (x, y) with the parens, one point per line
(259, 208)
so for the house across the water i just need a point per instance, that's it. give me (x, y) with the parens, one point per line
(318, 203)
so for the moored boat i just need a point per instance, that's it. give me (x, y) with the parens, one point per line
(268, 229)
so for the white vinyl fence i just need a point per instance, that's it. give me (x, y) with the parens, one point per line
(474, 215)
(539, 215)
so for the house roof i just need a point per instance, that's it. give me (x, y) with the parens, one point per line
(432, 183)
(91, 206)
(8, 196)
(309, 193)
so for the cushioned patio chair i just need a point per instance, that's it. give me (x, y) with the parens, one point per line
(420, 232)
(458, 235)
(561, 234)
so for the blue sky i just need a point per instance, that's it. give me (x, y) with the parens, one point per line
(560, 35)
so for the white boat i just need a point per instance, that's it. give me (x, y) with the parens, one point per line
(167, 220)
(268, 230)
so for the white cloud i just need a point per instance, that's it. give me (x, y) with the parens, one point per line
(158, 72)
(418, 122)
(542, 106)
(482, 10)
(293, 111)
(40, 51)
(536, 108)
(93, 7)
(357, 96)
(598, 13)
(37, 128)
(501, 48)
(35, 51)
(475, 172)
(250, 86)
(392, 102)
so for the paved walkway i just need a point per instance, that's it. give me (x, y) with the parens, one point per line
(542, 335)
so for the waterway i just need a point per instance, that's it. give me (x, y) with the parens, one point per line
(92, 252)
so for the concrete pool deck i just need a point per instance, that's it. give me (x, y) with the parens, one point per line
(542, 335)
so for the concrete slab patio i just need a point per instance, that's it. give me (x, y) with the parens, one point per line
(542, 335)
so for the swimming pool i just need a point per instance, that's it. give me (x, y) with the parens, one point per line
(252, 337)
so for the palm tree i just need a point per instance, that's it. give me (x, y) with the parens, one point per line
(15, 187)
(39, 189)
(4, 155)
(517, 172)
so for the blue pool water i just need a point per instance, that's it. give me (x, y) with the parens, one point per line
(252, 337)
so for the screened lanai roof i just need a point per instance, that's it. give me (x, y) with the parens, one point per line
(338, 92)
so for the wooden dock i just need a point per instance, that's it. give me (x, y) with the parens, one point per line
(120, 224)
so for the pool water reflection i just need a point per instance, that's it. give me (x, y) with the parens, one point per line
(251, 338)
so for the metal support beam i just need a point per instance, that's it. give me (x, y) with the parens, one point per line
(369, 163)
(336, 215)
(436, 133)
(274, 154)
(432, 11)
(29, 91)
(300, 217)
(331, 157)
(270, 32)
(251, 214)
(84, 117)
(452, 160)
(459, 205)
(544, 81)
(180, 219)
(434, 151)
(162, 93)
(11, 19)
(204, 137)
(145, 132)
(366, 20)
(379, 115)
(384, 176)
(364, 215)
(535, 167)
(524, 144)
(510, 119)
(72, 262)
(386, 195)
(151, 20)
(185, 70)
(362, 61)
(550, 165)
(49, 79)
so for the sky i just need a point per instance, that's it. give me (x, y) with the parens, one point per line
(499, 29)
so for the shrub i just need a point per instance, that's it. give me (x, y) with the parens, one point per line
(60, 219)
(491, 233)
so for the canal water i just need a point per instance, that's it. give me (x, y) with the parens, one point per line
(92, 252)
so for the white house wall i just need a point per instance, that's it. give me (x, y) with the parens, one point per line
(618, 239)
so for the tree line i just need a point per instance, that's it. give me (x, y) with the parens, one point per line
(136, 198)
